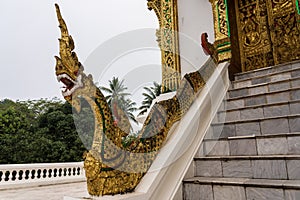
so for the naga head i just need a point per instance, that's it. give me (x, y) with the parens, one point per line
(69, 70)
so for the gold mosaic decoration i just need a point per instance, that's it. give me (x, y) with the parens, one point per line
(269, 32)
(222, 30)
(284, 21)
(110, 167)
(167, 37)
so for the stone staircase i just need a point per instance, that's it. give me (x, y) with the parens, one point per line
(252, 150)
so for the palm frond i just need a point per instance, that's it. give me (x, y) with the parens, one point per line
(116, 92)
(149, 95)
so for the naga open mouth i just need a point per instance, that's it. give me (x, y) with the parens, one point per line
(69, 85)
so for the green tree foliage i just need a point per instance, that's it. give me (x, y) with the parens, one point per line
(38, 131)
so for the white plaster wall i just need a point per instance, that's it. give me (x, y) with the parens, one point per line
(195, 17)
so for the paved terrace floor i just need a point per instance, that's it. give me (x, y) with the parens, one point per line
(50, 192)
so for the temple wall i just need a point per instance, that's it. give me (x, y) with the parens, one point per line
(194, 18)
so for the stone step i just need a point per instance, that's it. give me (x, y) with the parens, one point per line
(284, 144)
(204, 188)
(262, 126)
(291, 74)
(259, 111)
(280, 96)
(265, 75)
(285, 167)
(263, 88)
(267, 70)
(268, 97)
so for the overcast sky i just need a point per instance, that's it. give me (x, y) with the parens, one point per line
(29, 36)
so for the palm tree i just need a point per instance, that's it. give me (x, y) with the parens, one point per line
(122, 107)
(150, 94)
(116, 91)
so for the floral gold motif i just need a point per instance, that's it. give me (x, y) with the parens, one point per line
(222, 30)
(268, 32)
(167, 34)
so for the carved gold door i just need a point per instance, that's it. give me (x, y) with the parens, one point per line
(284, 21)
(269, 32)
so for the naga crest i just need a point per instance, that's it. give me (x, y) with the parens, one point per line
(68, 69)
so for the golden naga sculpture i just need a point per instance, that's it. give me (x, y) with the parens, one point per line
(112, 168)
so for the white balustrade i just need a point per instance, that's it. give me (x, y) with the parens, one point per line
(28, 175)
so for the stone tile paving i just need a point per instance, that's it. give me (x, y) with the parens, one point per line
(50, 192)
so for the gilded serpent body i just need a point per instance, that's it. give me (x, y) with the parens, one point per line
(112, 168)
